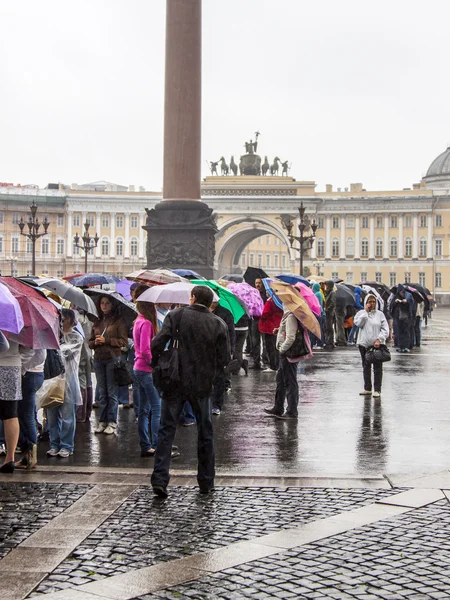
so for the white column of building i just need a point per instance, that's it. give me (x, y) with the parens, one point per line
(400, 237)
(69, 234)
(430, 236)
(415, 249)
(371, 237)
(83, 221)
(98, 226)
(112, 246)
(328, 238)
(126, 253)
(313, 250)
(386, 252)
(141, 236)
(357, 240)
(342, 249)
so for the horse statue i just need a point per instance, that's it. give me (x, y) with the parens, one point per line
(275, 166)
(233, 166)
(224, 170)
(286, 168)
(265, 166)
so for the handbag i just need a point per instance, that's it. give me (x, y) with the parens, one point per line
(380, 354)
(122, 372)
(166, 373)
(299, 347)
(53, 365)
(51, 393)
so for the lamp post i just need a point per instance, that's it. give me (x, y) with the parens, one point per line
(318, 264)
(11, 260)
(306, 241)
(33, 232)
(89, 243)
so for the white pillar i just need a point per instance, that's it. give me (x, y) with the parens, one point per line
(342, 252)
(313, 250)
(69, 234)
(400, 237)
(83, 220)
(386, 252)
(126, 253)
(112, 247)
(371, 237)
(430, 237)
(141, 251)
(357, 255)
(415, 249)
(328, 238)
(98, 226)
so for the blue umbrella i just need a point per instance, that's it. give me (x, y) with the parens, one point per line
(266, 281)
(187, 273)
(93, 279)
(292, 279)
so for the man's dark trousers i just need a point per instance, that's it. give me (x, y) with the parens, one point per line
(171, 407)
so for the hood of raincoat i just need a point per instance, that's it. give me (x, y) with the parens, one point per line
(367, 298)
(329, 285)
(401, 288)
(316, 287)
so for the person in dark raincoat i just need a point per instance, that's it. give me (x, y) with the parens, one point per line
(330, 308)
(403, 314)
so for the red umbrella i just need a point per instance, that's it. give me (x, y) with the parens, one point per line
(41, 317)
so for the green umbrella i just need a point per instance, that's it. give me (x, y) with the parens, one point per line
(226, 298)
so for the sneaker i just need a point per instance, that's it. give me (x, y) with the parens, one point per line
(269, 370)
(189, 423)
(109, 430)
(366, 393)
(100, 428)
(64, 453)
(216, 411)
(175, 453)
(272, 412)
(407, 350)
(52, 452)
(160, 491)
(376, 394)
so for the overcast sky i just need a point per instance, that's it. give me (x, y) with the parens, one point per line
(346, 90)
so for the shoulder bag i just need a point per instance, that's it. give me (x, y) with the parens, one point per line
(166, 374)
(299, 347)
(122, 371)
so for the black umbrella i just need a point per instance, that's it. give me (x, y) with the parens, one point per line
(344, 296)
(337, 280)
(381, 288)
(127, 310)
(253, 273)
(235, 278)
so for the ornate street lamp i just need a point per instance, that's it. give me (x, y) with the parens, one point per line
(89, 243)
(33, 232)
(305, 241)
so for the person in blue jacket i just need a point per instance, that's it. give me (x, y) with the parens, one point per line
(358, 291)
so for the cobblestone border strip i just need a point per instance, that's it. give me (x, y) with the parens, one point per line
(25, 566)
(158, 577)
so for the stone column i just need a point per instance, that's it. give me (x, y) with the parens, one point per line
(400, 248)
(126, 250)
(415, 249)
(112, 244)
(342, 249)
(69, 234)
(141, 248)
(430, 237)
(386, 251)
(181, 228)
(98, 227)
(357, 238)
(371, 237)
(328, 238)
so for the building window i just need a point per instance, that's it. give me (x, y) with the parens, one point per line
(407, 277)
(364, 247)
(276, 241)
(379, 223)
(379, 248)
(283, 261)
(363, 277)
(259, 260)
(320, 247)
(423, 247)
(252, 259)
(105, 246)
(394, 246)
(119, 246)
(334, 275)
(394, 222)
(243, 259)
(59, 246)
(364, 222)
(335, 223)
(15, 218)
(422, 278)
(275, 260)
(438, 280)
(350, 250)
(392, 279)
(423, 220)
(350, 222)
(349, 277)
(1, 244)
(335, 248)
(59, 273)
(91, 220)
(260, 240)
(438, 221)
(76, 220)
(134, 246)
(134, 222)
(319, 222)
(60, 220)
(2, 218)
(267, 260)
(14, 245)
(105, 221)
(119, 221)
(29, 247)
(45, 246)
(408, 246)
(76, 250)
(378, 277)
(268, 240)
(29, 273)
(438, 247)
(408, 221)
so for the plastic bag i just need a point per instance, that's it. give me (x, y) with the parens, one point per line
(51, 393)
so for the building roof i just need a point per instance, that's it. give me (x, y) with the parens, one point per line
(440, 165)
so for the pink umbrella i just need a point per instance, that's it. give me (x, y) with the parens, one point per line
(311, 299)
(249, 296)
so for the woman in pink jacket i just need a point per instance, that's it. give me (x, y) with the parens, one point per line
(145, 328)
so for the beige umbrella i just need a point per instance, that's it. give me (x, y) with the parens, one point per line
(294, 301)
(317, 278)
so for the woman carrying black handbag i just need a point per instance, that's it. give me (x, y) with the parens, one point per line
(373, 332)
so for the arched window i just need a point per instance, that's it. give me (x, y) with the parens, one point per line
(394, 246)
(105, 246)
(320, 247)
(379, 248)
(408, 246)
(134, 246)
(335, 248)
(364, 247)
(423, 246)
(350, 250)
(119, 246)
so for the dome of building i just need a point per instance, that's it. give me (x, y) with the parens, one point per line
(438, 174)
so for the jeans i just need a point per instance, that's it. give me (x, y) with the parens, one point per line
(172, 405)
(149, 410)
(61, 422)
(187, 414)
(353, 335)
(287, 387)
(367, 372)
(31, 383)
(272, 352)
(108, 390)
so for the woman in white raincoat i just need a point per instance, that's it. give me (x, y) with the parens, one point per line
(62, 418)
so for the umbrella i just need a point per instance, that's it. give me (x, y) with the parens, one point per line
(344, 296)
(11, 318)
(294, 301)
(292, 279)
(127, 309)
(249, 296)
(123, 287)
(88, 279)
(69, 292)
(317, 278)
(253, 273)
(425, 292)
(41, 319)
(154, 276)
(337, 279)
(381, 288)
(231, 277)
(226, 298)
(310, 297)
(267, 281)
(171, 293)
(187, 273)
(371, 290)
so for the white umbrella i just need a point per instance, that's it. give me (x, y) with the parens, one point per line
(171, 293)
(69, 292)
(370, 290)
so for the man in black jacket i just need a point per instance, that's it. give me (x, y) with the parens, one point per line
(204, 349)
